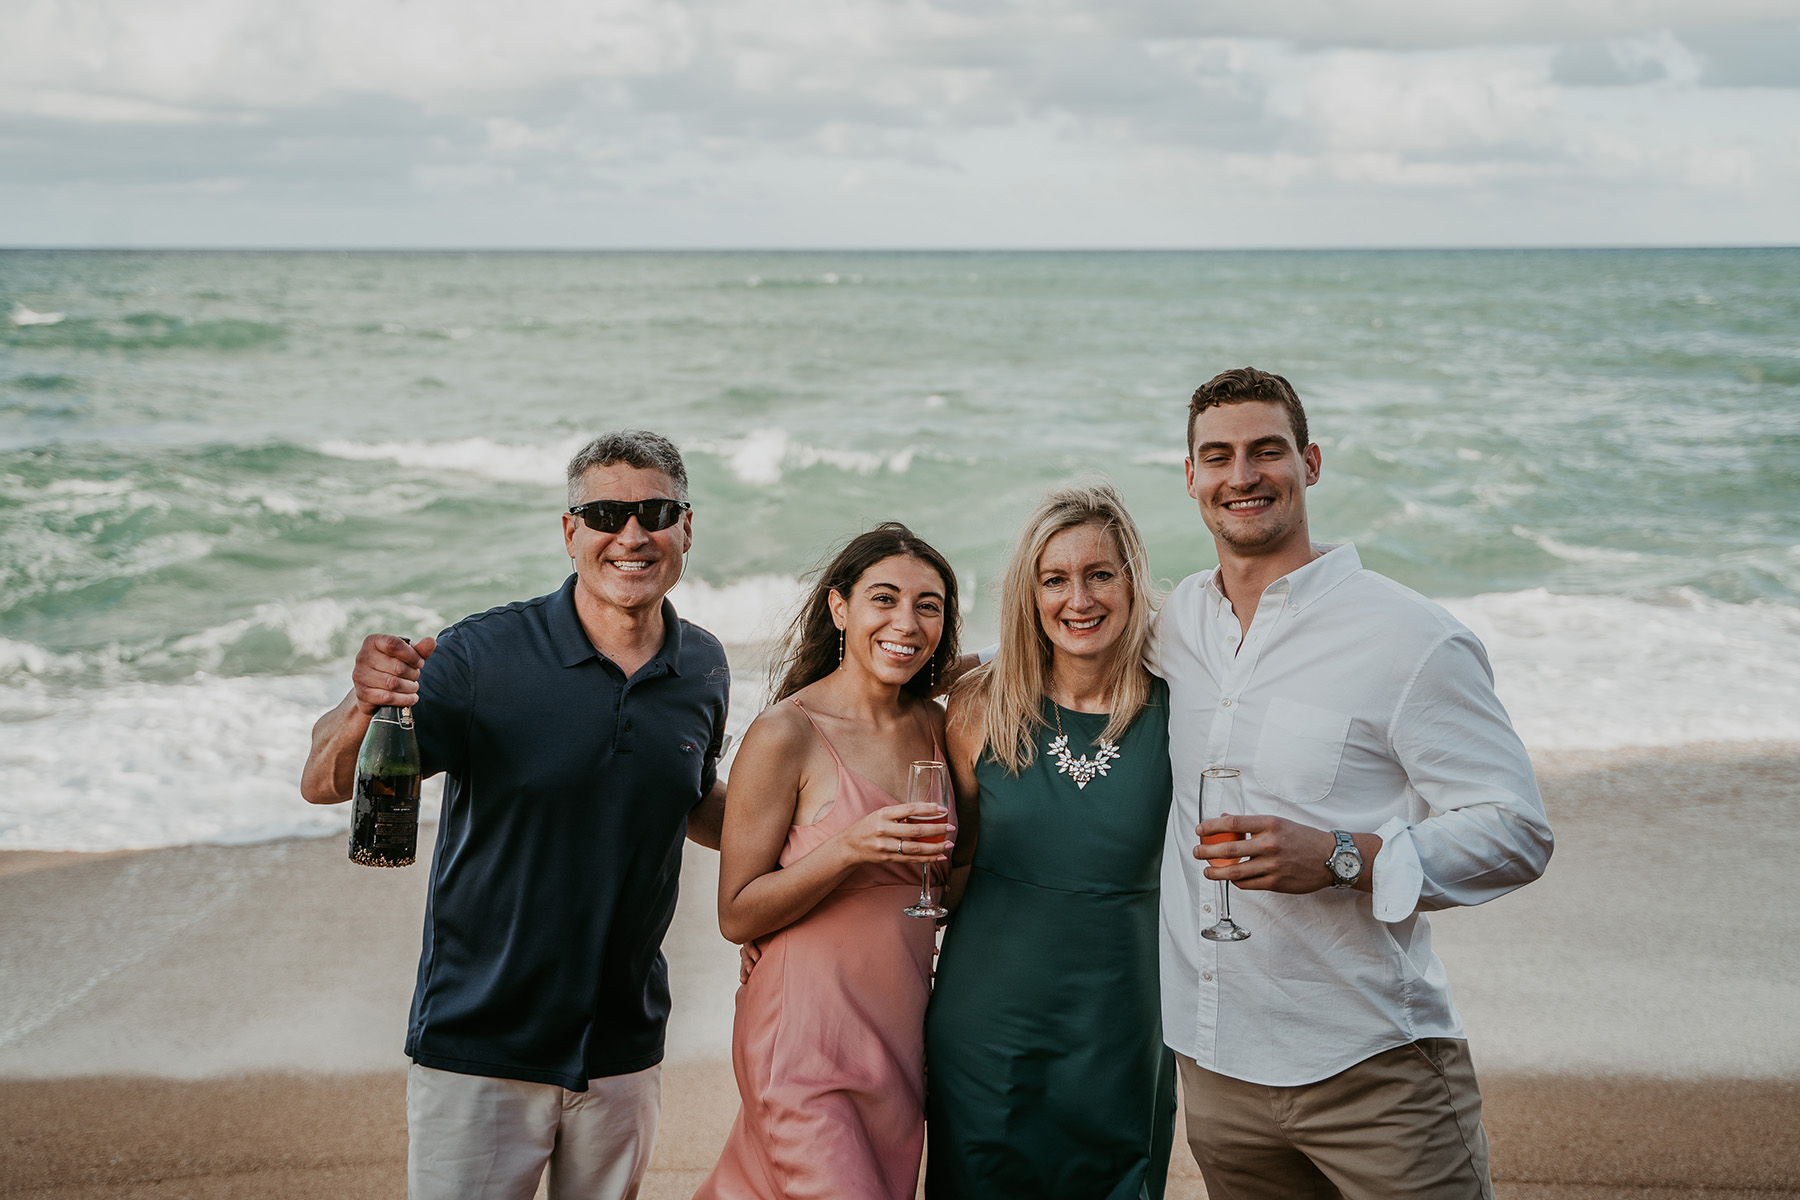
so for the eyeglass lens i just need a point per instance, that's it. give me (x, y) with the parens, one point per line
(609, 516)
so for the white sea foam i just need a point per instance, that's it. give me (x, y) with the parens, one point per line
(540, 464)
(311, 628)
(24, 316)
(89, 487)
(207, 760)
(1600, 672)
(761, 457)
(757, 459)
(744, 612)
(90, 761)
(283, 636)
(1584, 554)
(142, 764)
(24, 658)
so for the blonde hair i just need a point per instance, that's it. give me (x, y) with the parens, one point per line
(1006, 695)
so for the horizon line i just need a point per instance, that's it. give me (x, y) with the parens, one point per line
(1323, 248)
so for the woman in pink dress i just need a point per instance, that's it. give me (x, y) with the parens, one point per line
(816, 865)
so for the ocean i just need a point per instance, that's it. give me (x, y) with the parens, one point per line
(218, 471)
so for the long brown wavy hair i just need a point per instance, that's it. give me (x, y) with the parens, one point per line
(809, 652)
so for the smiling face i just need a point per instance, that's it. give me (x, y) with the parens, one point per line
(1083, 591)
(631, 570)
(1251, 480)
(892, 619)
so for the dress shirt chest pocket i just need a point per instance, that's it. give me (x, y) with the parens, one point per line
(1298, 753)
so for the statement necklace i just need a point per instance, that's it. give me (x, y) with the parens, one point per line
(1082, 770)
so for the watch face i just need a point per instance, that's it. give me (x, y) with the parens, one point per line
(1345, 864)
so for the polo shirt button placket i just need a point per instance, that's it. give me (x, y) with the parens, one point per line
(621, 724)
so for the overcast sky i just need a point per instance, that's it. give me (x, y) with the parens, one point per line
(899, 123)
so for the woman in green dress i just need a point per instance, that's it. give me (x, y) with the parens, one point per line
(1047, 1076)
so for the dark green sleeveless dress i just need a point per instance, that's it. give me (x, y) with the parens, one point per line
(1046, 1073)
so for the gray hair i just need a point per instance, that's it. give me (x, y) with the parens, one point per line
(635, 448)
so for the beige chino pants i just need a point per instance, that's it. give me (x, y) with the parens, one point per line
(1406, 1122)
(472, 1136)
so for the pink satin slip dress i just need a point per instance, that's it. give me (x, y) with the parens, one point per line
(828, 1042)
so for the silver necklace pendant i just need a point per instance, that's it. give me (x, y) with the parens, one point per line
(1082, 770)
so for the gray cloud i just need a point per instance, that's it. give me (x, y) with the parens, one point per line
(1747, 55)
(1603, 64)
(1755, 55)
(354, 139)
(1426, 24)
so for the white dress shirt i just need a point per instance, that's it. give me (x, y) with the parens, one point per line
(1351, 703)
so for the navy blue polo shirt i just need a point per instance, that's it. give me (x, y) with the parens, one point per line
(559, 849)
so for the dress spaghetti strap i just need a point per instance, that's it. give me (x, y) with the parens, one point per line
(821, 733)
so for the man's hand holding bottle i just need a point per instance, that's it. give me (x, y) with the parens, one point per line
(387, 671)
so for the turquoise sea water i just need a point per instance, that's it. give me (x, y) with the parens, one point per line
(219, 470)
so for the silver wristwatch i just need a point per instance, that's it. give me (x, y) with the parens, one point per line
(1345, 863)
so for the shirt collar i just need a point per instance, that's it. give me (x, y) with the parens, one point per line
(1337, 562)
(571, 640)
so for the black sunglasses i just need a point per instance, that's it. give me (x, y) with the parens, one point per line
(609, 516)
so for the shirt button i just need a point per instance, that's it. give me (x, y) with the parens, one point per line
(1226, 702)
(1206, 908)
(1206, 975)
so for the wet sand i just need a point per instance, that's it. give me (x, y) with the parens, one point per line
(227, 1021)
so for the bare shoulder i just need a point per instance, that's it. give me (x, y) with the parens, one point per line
(780, 732)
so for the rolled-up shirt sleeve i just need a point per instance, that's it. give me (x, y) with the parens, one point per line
(1486, 832)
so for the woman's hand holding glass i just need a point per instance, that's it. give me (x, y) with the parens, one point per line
(902, 833)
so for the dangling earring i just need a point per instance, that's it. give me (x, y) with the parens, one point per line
(932, 682)
(840, 647)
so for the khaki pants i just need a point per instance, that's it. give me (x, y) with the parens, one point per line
(471, 1136)
(1406, 1122)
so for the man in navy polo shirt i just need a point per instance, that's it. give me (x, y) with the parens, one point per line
(580, 733)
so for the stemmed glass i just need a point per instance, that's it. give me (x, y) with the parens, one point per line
(929, 783)
(1225, 782)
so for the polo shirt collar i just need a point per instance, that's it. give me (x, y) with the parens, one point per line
(571, 640)
(1337, 562)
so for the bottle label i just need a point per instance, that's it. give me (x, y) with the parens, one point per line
(384, 825)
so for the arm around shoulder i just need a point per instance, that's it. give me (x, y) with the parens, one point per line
(706, 820)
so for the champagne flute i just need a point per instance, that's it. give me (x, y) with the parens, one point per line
(929, 783)
(1224, 781)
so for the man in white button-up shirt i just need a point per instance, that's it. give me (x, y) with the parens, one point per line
(1378, 779)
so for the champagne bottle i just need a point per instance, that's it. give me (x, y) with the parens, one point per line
(384, 821)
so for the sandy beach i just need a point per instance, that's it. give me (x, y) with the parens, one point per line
(227, 1021)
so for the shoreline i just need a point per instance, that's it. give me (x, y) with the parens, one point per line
(222, 1020)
